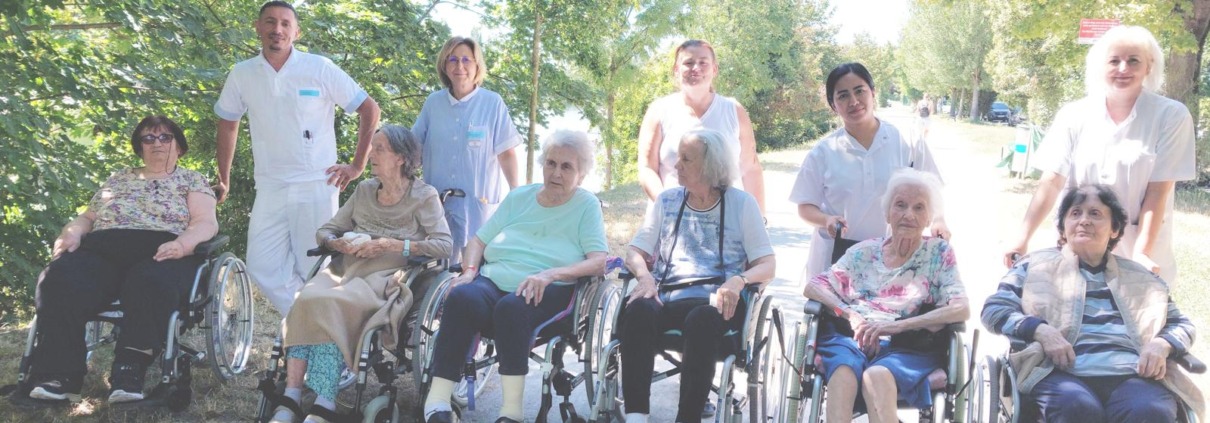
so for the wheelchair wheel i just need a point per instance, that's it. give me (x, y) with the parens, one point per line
(607, 406)
(229, 317)
(724, 412)
(992, 365)
(765, 368)
(379, 410)
(426, 334)
(601, 326)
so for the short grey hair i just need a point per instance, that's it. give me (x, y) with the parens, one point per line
(404, 143)
(908, 177)
(718, 165)
(1094, 62)
(576, 141)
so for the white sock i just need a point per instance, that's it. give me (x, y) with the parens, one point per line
(636, 418)
(440, 391)
(294, 394)
(325, 403)
(512, 388)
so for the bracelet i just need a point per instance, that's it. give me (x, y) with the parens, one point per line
(744, 278)
(407, 247)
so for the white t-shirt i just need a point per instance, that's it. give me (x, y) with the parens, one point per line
(1154, 144)
(696, 251)
(721, 116)
(845, 179)
(290, 113)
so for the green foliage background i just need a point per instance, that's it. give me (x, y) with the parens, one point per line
(78, 77)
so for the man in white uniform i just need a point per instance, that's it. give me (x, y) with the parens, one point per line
(288, 96)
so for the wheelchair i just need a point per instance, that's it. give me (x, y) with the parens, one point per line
(753, 357)
(995, 396)
(422, 277)
(578, 327)
(804, 381)
(220, 303)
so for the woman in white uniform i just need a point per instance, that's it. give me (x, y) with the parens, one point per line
(1124, 135)
(695, 106)
(844, 176)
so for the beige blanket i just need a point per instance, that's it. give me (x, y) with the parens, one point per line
(349, 297)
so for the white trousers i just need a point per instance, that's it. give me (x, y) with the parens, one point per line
(282, 228)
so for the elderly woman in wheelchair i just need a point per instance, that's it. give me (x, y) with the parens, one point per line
(883, 288)
(387, 220)
(1101, 330)
(135, 244)
(705, 243)
(540, 241)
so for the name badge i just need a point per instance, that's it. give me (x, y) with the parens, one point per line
(476, 136)
(308, 92)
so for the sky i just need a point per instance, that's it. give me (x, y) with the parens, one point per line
(881, 18)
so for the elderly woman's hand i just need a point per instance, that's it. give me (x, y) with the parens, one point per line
(171, 250)
(727, 296)
(532, 288)
(645, 287)
(341, 245)
(1153, 359)
(1056, 346)
(869, 334)
(67, 242)
(374, 248)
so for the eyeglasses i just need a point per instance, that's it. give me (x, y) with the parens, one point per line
(466, 61)
(164, 138)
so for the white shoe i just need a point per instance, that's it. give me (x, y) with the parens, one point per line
(282, 414)
(347, 378)
(120, 396)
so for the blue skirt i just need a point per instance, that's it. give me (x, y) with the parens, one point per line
(909, 367)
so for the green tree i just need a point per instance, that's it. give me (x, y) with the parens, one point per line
(879, 60)
(944, 47)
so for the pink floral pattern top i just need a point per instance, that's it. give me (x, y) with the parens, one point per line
(127, 201)
(879, 293)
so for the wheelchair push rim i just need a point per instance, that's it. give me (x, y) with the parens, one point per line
(229, 317)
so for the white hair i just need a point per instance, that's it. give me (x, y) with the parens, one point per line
(908, 177)
(1137, 36)
(577, 141)
(718, 167)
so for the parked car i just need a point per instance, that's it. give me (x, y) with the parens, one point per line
(1000, 112)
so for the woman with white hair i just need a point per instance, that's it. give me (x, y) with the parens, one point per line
(887, 299)
(538, 244)
(1125, 135)
(707, 241)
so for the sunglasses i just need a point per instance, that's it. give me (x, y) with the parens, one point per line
(164, 138)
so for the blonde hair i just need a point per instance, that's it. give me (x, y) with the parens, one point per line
(448, 49)
(1136, 36)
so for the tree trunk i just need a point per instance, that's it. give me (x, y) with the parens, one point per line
(1183, 69)
(535, 63)
(975, 95)
(961, 100)
(609, 134)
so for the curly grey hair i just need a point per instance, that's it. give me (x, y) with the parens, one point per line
(405, 144)
(577, 141)
(911, 177)
(718, 167)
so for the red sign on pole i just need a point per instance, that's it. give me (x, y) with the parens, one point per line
(1093, 29)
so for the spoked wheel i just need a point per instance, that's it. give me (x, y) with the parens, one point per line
(229, 317)
(608, 404)
(379, 410)
(426, 334)
(605, 305)
(764, 398)
(723, 409)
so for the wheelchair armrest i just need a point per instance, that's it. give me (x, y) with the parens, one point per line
(321, 251)
(625, 274)
(812, 307)
(1016, 344)
(423, 262)
(1191, 363)
(211, 246)
(958, 327)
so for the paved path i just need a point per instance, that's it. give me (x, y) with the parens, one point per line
(978, 221)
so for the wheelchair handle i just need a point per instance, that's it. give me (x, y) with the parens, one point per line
(452, 192)
(211, 246)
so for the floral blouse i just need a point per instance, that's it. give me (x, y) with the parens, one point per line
(878, 293)
(127, 201)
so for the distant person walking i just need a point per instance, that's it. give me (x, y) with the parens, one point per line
(288, 96)
(924, 108)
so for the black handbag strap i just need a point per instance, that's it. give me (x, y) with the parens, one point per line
(676, 230)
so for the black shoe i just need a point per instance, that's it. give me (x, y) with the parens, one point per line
(58, 388)
(441, 417)
(126, 383)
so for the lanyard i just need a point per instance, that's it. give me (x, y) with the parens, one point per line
(676, 229)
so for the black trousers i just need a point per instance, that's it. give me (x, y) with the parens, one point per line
(703, 330)
(108, 265)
